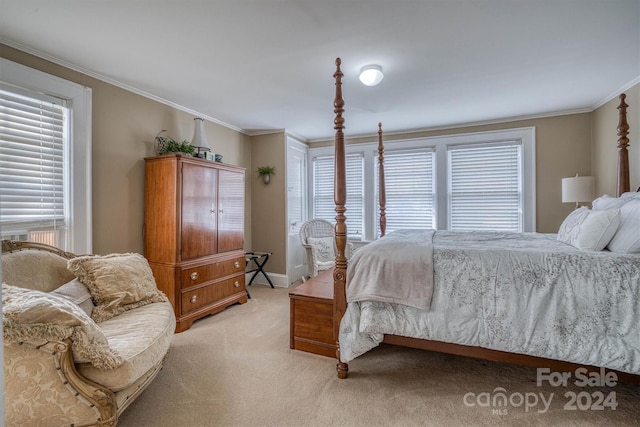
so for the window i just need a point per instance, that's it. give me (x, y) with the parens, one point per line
(323, 192)
(485, 188)
(45, 142)
(474, 181)
(409, 189)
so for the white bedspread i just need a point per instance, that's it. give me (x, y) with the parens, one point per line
(397, 268)
(523, 293)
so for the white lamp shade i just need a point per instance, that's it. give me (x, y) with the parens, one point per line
(577, 189)
(371, 75)
(199, 139)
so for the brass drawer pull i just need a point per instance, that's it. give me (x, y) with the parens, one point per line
(236, 264)
(194, 299)
(194, 275)
(236, 284)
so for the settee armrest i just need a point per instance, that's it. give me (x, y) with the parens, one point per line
(42, 383)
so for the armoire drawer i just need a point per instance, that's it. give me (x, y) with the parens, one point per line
(201, 297)
(206, 273)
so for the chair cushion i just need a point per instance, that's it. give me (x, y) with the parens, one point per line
(142, 337)
(117, 282)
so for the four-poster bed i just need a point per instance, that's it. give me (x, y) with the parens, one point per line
(466, 345)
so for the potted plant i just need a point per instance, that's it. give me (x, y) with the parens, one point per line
(265, 172)
(165, 144)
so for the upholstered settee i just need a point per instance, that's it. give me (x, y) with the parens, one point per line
(83, 336)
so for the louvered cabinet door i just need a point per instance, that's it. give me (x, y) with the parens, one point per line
(230, 210)
(199, 216)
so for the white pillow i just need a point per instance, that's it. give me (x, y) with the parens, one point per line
(323, 248)
(630, 195)
(627, 238)
(589, 230)
(77, 293)
(608, 202)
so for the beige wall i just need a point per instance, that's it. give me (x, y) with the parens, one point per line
(124, 126)
(604, 142)
(268, 210)
(562, 149)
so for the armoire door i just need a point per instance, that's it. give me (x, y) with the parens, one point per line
(199, 211)
(230, 211)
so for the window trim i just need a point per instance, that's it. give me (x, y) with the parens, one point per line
(80, 140)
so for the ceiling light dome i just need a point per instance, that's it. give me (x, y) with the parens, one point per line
(371, 75)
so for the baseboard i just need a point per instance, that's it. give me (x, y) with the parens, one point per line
(279, 280)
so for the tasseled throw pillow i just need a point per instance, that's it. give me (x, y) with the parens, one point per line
(117, 282)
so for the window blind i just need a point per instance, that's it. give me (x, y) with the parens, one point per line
(323, 192)
(409, 190)
(485, 187)
(32, 139)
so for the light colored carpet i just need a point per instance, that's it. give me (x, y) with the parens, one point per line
(236, 369)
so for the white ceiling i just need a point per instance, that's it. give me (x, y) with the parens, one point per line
(259, 65)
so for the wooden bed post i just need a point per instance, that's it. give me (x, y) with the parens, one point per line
(623, 155)
(382, 195)
(340, 198)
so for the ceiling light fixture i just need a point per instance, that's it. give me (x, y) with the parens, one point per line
(371, 75)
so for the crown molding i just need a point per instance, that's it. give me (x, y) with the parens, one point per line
(615, 94)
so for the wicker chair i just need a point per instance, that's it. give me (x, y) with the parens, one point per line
(318, 239)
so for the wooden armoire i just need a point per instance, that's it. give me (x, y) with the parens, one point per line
(194, 234)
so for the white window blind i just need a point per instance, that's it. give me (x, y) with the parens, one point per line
(323, 192)
(409, 190)
(32, 139)
(485, 187)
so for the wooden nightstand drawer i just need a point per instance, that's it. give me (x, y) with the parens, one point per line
(198, 275)
(203, 296)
